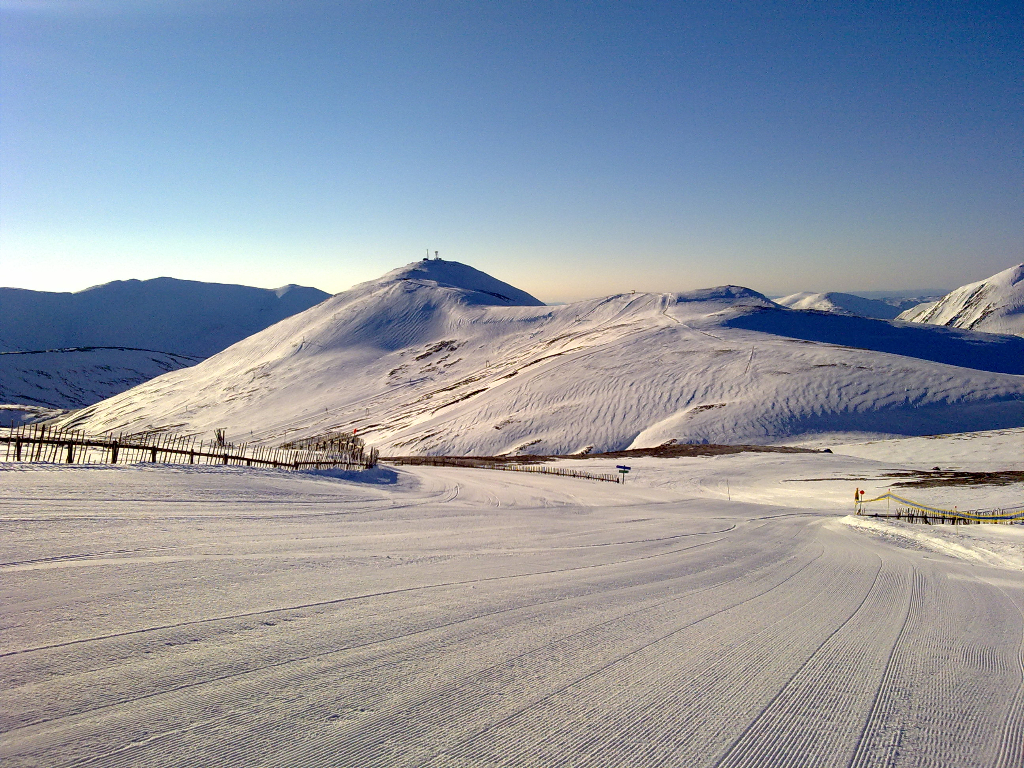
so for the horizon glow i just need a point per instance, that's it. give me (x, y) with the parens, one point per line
(569, 150)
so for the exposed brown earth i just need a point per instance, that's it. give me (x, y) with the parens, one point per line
(938, 478)
(661, 452)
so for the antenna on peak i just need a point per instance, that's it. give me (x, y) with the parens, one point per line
(436, 257)
(427, 257)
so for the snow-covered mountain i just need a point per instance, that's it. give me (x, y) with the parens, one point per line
(848, 304)
(69, 350)
(438, 358)
(183, 317)
(995, 305)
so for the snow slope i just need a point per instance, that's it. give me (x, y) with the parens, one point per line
(15, 415)
(995, 305)
(74, 378)
(421, 362)
(989, 451)
(156, 616)
(183, 317)
(848, 304)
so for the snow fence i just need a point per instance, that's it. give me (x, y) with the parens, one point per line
(900, 508)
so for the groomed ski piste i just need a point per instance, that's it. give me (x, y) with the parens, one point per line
(710, 611)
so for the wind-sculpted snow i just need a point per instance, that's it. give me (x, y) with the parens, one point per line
(74, 378)
(993, 305)
(418, 367)
(157, 616)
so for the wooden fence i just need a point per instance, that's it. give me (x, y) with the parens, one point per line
(447, 461)
(39, 442)
(329, 442)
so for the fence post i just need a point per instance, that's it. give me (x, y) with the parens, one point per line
(71, 452)
(40, 436)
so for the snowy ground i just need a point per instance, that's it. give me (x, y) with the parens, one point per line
(722, 611)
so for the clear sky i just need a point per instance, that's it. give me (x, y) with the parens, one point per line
(571, 148)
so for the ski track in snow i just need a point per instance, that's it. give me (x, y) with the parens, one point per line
(155, 616)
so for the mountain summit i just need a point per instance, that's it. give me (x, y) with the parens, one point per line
(477, 287)
(439, 358)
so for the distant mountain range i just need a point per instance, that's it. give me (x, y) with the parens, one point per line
(849, 304)
(69, 350)
(993, 305)
(183, 317)
(439, 358)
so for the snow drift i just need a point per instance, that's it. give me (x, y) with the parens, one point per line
(439, 358)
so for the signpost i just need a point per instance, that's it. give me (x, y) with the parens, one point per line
(623, 470)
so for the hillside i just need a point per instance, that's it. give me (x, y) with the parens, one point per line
(848, 304)
(994, 305)
(183, 317)
(438, 358)
(69, 350)
(77, 377)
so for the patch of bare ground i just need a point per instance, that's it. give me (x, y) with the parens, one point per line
(935, 478)
(938, 478)
(662, 452)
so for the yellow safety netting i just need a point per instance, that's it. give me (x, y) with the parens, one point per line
(998, 515)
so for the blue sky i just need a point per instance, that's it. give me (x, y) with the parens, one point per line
(571, 148)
